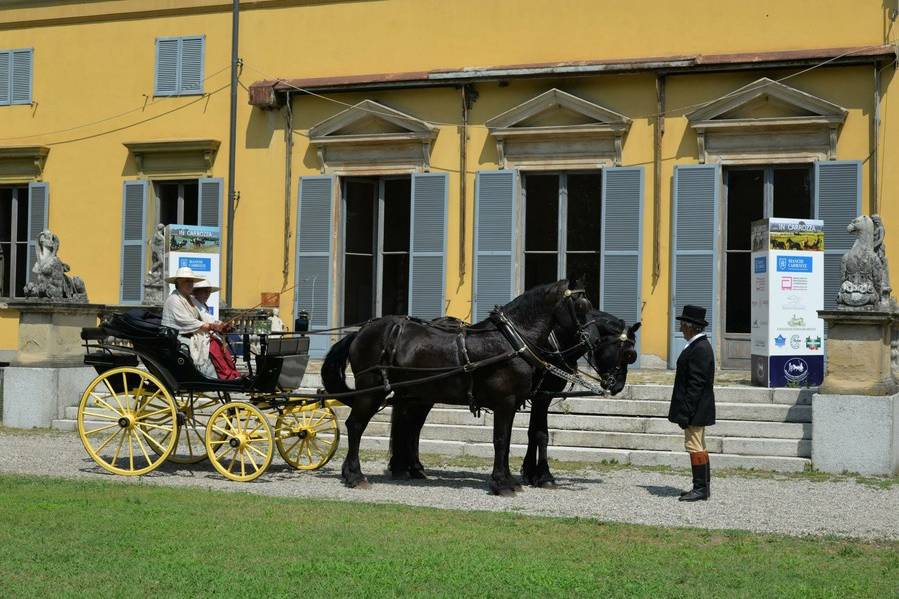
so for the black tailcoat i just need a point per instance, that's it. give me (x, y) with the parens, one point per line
(693, 396)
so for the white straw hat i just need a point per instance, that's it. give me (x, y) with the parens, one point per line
(185, 272)
(205, 284)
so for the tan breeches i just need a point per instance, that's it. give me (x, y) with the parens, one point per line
(694, 439)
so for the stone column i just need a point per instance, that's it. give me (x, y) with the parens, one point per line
(48, 373)
(855, 417)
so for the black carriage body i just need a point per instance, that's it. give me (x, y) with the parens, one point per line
(278, 366)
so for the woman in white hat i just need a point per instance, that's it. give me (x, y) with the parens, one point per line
(202, 290)
(179, 312)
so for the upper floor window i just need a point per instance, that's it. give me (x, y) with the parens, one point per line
(15, 76)
(179, 65)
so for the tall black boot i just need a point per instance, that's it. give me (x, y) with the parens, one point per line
(699, 463)
(708, 476)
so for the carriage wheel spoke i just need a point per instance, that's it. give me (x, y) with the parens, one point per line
(153, 441)
(102, 428)
(118, 450)
(106, 405)
(106, 442)
(104, 416)
(114, 395)
(143, 449)
(250, 456)
(256, 450)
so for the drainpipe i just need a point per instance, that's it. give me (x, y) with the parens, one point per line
(288, 159)
(232, 146)
(874, 153)
(658, 132)
(463, 145)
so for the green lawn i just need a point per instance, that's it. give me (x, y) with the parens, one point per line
(69, 538)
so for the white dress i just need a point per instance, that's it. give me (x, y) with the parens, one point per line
(182, 314)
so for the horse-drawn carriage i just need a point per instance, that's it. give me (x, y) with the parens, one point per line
(149, 404)
(133, 419)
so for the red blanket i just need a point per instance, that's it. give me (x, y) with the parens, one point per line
(222, 360)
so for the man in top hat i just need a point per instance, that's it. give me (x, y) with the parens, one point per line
(693, 397)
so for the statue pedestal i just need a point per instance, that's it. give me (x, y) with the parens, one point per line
(859, 352)
(48, 372)
(855, 417)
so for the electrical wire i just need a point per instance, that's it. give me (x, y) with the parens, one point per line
(140, 108)
(151, 118)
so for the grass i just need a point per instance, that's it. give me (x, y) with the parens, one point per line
(99, 539)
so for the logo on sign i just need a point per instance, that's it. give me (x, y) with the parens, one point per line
(199, 264)
(761, 265)
(786, 283)
(780, 341)
(794, 264)
(796, 370)
(795, 341)
(796, 321)
(813, 344)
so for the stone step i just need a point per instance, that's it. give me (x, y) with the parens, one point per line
(674, 459)
(609, 440)
(623, 424)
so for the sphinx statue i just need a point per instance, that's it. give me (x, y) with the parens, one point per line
(863, 269)
(49, 280)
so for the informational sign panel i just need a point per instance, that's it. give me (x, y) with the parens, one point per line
(198, 248)
(787, 273)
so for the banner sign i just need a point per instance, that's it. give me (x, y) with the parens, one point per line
(787, 291)
(198, 248)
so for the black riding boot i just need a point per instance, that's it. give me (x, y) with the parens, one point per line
(699, 463)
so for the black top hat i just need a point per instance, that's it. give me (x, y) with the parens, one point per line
(694, 314)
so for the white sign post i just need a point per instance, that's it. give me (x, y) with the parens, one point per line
(787, 291)
(198, 248)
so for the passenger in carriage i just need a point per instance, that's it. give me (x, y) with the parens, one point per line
(180, 312)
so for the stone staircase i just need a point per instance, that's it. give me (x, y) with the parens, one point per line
(767, 429)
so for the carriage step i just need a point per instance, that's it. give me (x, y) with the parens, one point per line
(673, 459)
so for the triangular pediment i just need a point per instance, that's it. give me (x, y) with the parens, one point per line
(557, 110)
(766, 100)
(371, 120)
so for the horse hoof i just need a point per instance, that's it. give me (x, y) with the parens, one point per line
(547, 484)
(401, 475)
(362, 483)
(506, 492)
(418, 475)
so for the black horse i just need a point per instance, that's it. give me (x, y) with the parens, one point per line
(610, 347)
(396, 349)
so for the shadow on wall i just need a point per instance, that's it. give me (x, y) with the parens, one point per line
(261, 127)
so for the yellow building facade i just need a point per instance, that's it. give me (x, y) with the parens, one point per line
(439, 157)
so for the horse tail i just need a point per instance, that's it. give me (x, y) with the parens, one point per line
(334, 368)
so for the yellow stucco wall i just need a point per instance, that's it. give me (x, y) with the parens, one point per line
(94, 60)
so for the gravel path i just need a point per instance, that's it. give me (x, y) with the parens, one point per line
(791, 507)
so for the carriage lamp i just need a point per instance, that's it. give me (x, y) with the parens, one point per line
(301, 324)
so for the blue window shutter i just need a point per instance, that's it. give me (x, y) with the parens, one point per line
(134, 226)
(494, 241)
(838, 200)
(622, 236)
(314, 228)
(5, 73)
(192, 59)
(38, 219)
(210, 199)
(20, 80)
(168, 53)
(427, 260)
(694, 246)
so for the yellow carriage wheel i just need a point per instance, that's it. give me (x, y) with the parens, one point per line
(194, 411)
(239, 441)
(127, 421)
(307, 436)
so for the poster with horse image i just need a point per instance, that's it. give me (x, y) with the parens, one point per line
(198, 248)
(787, 291)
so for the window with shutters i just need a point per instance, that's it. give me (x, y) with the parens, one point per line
(377, 226)
(16, 75)
(13, 241)
(563, 228)
(177, 203)
(180, 65)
